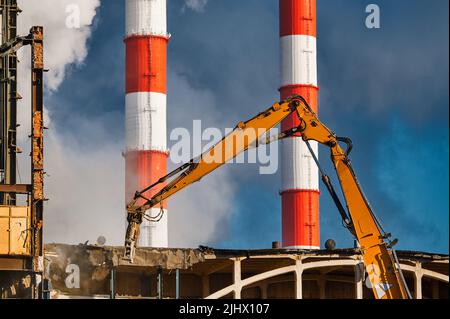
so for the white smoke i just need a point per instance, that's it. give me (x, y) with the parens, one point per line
(63, 46)
(85, 186)
(200, 213)
(67, 26)
(76, 181)
(85, 176)
(196, 5)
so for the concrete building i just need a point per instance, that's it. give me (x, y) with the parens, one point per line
(216, 273)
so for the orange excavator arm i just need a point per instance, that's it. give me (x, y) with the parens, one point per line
(379, 257)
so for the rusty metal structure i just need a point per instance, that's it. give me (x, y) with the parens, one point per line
(21, 240)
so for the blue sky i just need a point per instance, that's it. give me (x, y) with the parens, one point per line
(385, 88)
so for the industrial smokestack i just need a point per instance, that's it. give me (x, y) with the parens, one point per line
(300, 178)
(145, 109)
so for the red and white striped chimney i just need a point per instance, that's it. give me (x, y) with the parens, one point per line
(145, 108)
(300, 178)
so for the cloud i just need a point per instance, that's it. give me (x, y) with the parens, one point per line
(372, 80)
(220, 78)
(404, 176)
(64, 45)
(76, 180)
(201, 213)
(196, 5)
(400, 66)
(87, 196)
(85, 184)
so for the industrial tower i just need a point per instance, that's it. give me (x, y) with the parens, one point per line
(145, 109)
(300, 177)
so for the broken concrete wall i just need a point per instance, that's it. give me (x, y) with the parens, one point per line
(85, 270)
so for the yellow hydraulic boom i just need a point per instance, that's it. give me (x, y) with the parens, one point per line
(379, 257)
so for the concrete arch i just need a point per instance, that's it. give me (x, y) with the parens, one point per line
(265, 275)
(299, 267)
(426, 273)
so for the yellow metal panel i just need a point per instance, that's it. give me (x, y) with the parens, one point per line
(4, 211)
(20, 236)
(15, 234)
(19, 211)
(4, 235)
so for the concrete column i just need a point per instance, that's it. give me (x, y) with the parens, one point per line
(359, 271)
(298, 279)
(237, 278)
(205, 285)
(159, 286)
(112, 284)
(263, 288)
(321, 282)
(435, 289)
(177, 283)
(418, 280)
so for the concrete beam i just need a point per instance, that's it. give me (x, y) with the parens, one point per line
(211, 270)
